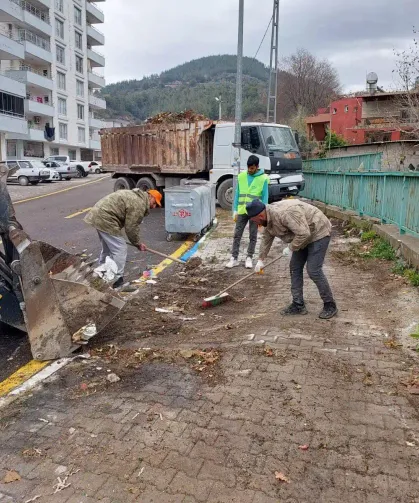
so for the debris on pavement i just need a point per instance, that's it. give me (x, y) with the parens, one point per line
(11, 476)
(107, 271)
(161, 310)
(304, 447)
(37, 497)
(32, 453)
(281, 477)
(63, 483)
(113, 378)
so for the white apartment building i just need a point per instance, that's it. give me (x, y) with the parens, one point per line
(49, 73)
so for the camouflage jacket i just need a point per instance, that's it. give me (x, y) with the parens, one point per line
(123, 209)
(294, 222)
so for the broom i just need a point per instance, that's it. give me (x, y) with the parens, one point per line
(223, 296)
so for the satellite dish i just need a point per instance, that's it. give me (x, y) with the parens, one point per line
(372, 78)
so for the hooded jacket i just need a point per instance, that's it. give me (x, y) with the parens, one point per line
(294, 222)
(123, 209)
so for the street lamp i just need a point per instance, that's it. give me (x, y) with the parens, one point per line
(220, 101)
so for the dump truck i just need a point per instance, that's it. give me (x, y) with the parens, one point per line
(159, 156)
(52, 295)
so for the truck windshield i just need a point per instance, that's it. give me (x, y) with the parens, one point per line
(279, 138)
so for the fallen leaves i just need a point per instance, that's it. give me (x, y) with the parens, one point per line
(412, 383)
(11, 476)
(281, 477)
(392, 344)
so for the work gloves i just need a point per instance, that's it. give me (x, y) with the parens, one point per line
(235, 215)
(286, 252)
(259, 266)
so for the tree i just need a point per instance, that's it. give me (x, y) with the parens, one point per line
(298, 123)
(332, 140)
(407, 70)
(308, 82)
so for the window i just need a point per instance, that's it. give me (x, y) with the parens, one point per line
(54, 151)
(59, 5)
(33, 149)
(11, 105)
(79, 64)
(61, 81)
(77, 16)
(82, 135)
(79, 40)
(335, 111)
(63, 131)
(11, 146)
(62, 106)
(59, 29)
(72, 154)
(80, 88)
(346, 109)
(355, 109)
(80, 112)
(60, 54)
(251, 139)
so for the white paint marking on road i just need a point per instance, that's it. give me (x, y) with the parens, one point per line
(78, 213)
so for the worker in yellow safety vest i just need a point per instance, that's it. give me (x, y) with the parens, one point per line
(251, 184)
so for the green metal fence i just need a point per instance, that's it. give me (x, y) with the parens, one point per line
(391, 197)
(357, 163)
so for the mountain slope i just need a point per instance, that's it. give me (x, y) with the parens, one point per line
(193, 85)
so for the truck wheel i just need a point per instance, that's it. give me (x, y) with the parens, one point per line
(80, 172)
(123, 184)
(146, 183)
(225, 194)
(23, 180)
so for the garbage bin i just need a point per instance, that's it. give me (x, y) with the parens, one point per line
(189, 209)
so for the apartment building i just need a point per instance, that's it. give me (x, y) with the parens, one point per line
(50, 71)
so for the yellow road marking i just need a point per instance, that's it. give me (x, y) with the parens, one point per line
(34, 366)
(78, 213)
(21, 375)
(59, 191)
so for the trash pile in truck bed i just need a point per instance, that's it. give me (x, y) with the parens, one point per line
(173, 117)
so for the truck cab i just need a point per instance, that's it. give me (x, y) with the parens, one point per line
(277, 149)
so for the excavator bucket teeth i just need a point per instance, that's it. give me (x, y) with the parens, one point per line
(52, 294)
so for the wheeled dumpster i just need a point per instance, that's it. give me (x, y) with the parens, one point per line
(189, 209)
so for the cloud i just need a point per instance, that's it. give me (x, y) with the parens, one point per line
(357, 37)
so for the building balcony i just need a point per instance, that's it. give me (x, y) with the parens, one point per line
(94, 36)
(95, 123)
(96, 59)
(12, 86)
(94, 144)
(45, 3)
(96, 102)
(33, 132)
(37, 49)
(10, 49)
(36, 18)
(33, 107)
(94, 14)
(11, 11)
(30, 77)
(13, 124)
(95, 80)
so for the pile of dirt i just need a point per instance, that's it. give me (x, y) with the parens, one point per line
(174, 117)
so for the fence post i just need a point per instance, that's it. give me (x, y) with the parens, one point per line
(344, 199)
(361, 196)
(325, 188)
(403, 206)
(384, 196)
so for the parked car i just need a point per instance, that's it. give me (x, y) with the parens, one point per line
(54, 176)
(28, 172)
(96, 167)
(81, 167)
(65, 171)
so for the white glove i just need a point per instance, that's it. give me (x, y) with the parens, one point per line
(259, 266)
(286, 252)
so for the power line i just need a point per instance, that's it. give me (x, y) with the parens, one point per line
(264, 36)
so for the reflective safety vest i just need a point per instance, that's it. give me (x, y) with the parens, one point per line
(249, 192)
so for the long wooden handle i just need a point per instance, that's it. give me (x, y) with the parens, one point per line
(248, 276)
(161, 254)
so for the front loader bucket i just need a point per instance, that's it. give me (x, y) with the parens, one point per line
(50, 292)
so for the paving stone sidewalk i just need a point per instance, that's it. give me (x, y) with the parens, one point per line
(323, 403)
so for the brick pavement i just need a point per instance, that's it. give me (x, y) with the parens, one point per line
(163, 434)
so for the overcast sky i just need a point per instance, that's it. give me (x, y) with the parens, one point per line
(357, 36)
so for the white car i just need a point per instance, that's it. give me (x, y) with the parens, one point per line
(79, 169)
(95, 167)
(54, 176)
(28, 172)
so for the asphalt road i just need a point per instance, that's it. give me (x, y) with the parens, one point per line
(54, 219)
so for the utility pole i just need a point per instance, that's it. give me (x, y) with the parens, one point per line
(273, 67)
(220, 101)
(239, 96)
